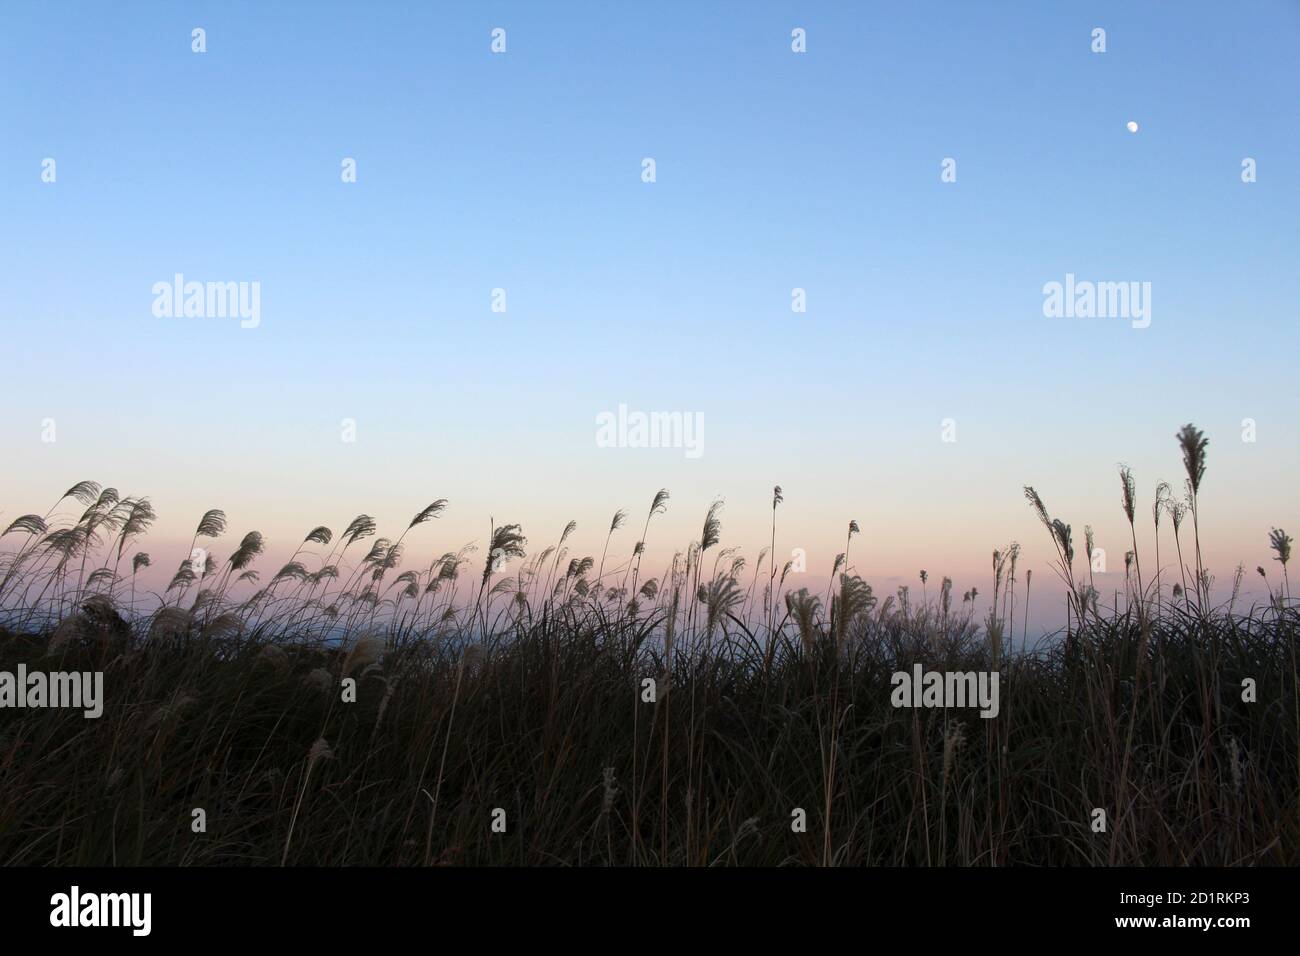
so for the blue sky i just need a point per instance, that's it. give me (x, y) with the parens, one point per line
(774, 170)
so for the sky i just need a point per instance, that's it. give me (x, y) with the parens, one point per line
(774, 170)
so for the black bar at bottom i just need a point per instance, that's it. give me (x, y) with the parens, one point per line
(499, 905)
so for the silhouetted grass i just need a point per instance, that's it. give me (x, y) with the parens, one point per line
(530, 696)
(547, 722)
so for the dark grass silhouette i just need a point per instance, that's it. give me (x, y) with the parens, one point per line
(528, 695)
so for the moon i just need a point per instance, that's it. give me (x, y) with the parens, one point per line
(1132, 126)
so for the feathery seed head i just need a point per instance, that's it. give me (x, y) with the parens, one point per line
(660, 503)
(431, 511)
(84, 491)
(1193, 443)
(320, 750)
(1280, 542)
(1161, 503)
(318, 535)
(1039, 508)
(248, 549)
(32, 524)
(212, 524)
(1128, 487)
(712, 526)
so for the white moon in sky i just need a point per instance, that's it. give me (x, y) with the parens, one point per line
(1132, 126)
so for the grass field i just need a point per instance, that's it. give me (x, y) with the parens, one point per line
(359, 714)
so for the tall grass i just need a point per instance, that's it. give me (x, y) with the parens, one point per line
(661, 724)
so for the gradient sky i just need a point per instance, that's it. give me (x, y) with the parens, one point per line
(775, 170)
